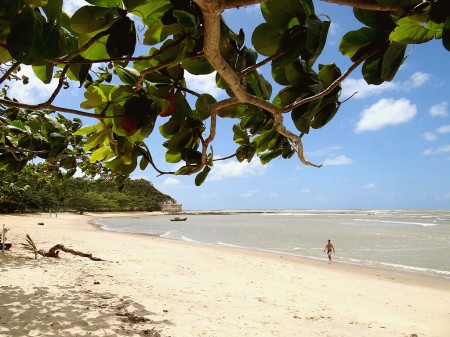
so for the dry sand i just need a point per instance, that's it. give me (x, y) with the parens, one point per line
(151, 286)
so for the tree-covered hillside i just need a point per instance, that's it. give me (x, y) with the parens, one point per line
(33, 190)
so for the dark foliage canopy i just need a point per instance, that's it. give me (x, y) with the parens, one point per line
(127, 93)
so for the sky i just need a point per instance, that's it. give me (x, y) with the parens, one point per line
(388, 147)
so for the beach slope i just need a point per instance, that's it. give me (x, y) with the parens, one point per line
(149, 286)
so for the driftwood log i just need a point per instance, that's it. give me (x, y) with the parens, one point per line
(54, 252)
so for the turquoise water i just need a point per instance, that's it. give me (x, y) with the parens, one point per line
(408, 240)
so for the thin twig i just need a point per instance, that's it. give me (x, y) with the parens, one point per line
(9, 72)
(62, 78)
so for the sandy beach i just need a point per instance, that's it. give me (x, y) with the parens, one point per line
(150, 286)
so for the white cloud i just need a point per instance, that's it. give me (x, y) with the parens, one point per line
(364, 90)
(439, 110)
(33, 92)
(223, 170)
(443, 129)
(429, 136)
(171, 181)
(351, 85)
(439, 150)
(70, 6)
(418, 79)
(386, 112)
(339, 160)
(305, 190)
(204, 84)
(370, 186)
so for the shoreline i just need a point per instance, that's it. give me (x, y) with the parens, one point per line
(152, 286)
(440, 276)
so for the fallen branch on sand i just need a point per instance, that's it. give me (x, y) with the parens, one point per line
(54, 251)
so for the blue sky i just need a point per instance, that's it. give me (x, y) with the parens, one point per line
(387, 148)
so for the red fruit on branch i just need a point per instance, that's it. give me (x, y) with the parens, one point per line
(170, 108)
(129, 124)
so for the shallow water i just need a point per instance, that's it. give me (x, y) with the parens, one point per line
(408, 240)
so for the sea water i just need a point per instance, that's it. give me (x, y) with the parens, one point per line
(408, 240)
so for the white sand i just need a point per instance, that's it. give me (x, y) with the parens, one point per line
(157, 287)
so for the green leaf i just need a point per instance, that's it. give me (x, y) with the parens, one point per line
(44, 72)
(266, 39)
(285, 13)
(202, 106)
(127, 75)
(97, 50)
(123, 165)
(94, 98)
(197, 66)
(328, 74)
(375, 19)
(233, 111)
(88, 130)
(52, 40)
(411, 31)
(143, 163)
(94, 140)
(325, 114)
(100, 154)
(303, 115)
(122, 38)
(53, 10)
(186, 20)
(120, 94)
(353, 41)
(90, 19)
(392, 60)
(25, 41)
(316, 36)
(8, 8)
(446, 34)
(240, 135)
(371, 70)
(179, 141)
(183, 107)
(173, 157)
(201, 177)
(171, 127)
(186, 170)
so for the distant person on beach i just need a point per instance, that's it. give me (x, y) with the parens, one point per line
(329, 248)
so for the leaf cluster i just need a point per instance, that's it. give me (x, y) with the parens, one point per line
(131, 88)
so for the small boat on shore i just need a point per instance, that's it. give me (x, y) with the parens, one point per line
(177, 218)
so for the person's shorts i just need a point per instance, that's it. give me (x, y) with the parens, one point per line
(329, 253)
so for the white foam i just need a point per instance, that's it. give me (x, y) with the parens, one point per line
(423, 224)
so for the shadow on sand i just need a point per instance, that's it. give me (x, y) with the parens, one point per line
(70, 311)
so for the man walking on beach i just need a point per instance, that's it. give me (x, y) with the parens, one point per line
(329, 248)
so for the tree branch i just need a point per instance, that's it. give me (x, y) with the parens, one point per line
(211, 18)
(62, 77)
(44, 106)
(333, 85)
(9, 72)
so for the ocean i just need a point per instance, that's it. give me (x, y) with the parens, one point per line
(410, 240)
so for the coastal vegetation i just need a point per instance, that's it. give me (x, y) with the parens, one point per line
(32, 189)
(130, 59)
